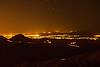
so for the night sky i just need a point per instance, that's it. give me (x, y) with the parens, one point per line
(20, 16)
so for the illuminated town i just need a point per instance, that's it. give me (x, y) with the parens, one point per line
(53, 36)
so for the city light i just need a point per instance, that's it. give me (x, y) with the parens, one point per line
(73, 44)
(44, 32)
(8, 36)
(53, 36)
(49, 32)
(97, 35)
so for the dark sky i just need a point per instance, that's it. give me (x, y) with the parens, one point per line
(21, 16)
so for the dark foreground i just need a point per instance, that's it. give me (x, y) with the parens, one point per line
(39, 54)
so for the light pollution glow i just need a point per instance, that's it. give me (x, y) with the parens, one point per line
(22, 16)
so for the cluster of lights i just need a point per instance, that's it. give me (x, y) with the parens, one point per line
(73, 44)
(47, 41)
(96, 35)
(8, 36)
(59, 36)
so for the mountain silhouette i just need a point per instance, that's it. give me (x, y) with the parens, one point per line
(3, 41)
(20, 38)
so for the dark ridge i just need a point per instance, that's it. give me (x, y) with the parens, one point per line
(20, 37)
(3, 41)
(22, 50)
